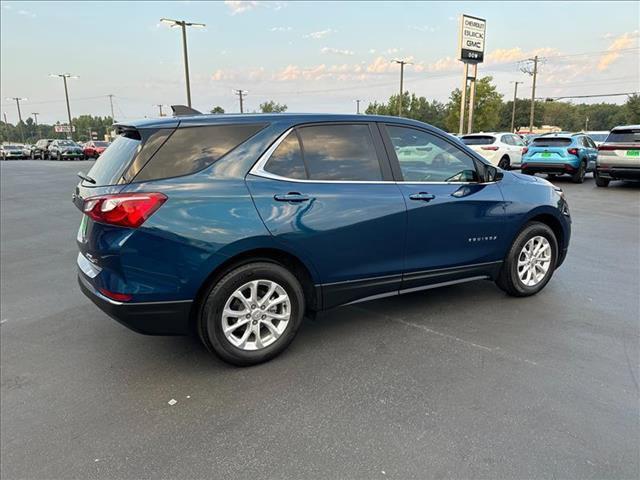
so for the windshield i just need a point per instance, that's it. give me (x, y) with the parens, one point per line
(631, 135)
(598, 137)
(101, 144)
(478, 140)
(67, 143)
(551, 142)
(109, 168)
(11, 147)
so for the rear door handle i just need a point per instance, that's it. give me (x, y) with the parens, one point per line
(291, 197)
(424, 196)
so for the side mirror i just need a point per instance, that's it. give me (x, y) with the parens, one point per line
(493, 174)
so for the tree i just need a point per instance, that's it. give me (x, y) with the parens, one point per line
(632, 107)
(486, 112)
(272, 107)
(217, 110)
(414, 107)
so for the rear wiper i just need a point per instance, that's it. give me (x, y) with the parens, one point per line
(86, 177)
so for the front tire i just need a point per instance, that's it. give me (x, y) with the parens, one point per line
(531, 261)
(252, 313)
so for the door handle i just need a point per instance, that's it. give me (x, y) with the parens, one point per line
(291, 197)
(424, 196)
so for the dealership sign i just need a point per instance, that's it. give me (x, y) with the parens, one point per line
(63, 128)
(471, 40)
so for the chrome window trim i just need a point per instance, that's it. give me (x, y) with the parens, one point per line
(259, 171)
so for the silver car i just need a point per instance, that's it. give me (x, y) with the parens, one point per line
(9, 151)
(619, 156)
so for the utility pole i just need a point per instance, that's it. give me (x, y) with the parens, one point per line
(402, 63)
(534, 73)
(4, 114)
(111, 95)
(357, 106)
(586, 124)
(183, 25)
(241, 94)
(18, 100)
(159, 105)
(66, 94)
(35, 119)
(513, 110)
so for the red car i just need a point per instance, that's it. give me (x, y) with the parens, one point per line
(94, 149)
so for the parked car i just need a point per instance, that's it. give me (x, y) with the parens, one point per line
(598, 137)
(236, 227)
(9, 151)
(501, 149)
(26, 150)
(93, 149)
(560, 154)
(65, 150)
(41, 149)
(619, 156)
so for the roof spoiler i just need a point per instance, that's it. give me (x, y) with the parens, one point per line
(183, 110)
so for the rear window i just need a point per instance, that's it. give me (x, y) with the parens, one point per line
(191, 149)
(112, 163)
(551, 142)
(631, 135)
(478, 140)
(598, 137)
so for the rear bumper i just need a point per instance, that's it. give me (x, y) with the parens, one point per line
(619, 173)
(539, 167)
(149, 318)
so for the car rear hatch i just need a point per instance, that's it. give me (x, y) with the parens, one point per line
(480, 143)
(549, 150)
(99, 242)
(621, 149)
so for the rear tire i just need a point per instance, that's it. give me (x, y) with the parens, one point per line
(505, 163)
(600, 182)
(578, 177)
(510, 279)
(220, 299)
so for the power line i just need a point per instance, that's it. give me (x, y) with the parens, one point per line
(589, 96)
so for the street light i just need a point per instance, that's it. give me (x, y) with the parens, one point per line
(64, 77)
(183, 24)
(402, 63)
(18, 100)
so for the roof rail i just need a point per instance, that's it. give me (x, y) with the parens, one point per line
(183, 110)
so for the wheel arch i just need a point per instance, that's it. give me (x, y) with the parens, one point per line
(312, 293)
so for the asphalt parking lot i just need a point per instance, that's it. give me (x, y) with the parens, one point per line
(459, 382)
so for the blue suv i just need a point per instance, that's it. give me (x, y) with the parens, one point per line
(235, 227)
(559, 154)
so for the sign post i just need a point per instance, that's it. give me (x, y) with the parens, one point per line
(471, 41)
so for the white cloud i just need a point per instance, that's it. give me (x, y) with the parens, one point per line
(626, 40)
(320, 34)
(337, 51)
(424, 28)
(26, 13)
(240, 6)
(391, 51)
(281, 29)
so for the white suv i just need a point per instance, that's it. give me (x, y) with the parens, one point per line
(502, 149)
(619, 156)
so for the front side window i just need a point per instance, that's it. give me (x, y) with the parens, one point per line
(340, 152)
(286, 160)
(424, 157)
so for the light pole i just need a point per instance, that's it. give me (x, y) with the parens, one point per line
(183, 24)
(513, 111)
(160, 105)
(18, 100)
(64, 77)
(358, 106)
(402, 63)
(35, 119)
(111, 95)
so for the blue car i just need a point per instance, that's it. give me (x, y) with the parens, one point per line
(237, 226)
(574, 155)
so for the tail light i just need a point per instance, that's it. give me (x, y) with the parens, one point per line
(123, 209)
(572, 151)
(525, 150)
(119, 297)
(490, 148)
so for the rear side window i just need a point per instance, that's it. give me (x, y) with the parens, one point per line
(478, 140)
(112, 163)
(631, 135)
(551, 142)
(191, 149)
(286, 160)
(340, 152)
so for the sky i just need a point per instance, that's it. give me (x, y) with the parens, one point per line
(311, 56)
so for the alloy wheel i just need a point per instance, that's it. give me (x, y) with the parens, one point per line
(256, 314)
(534, 261)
